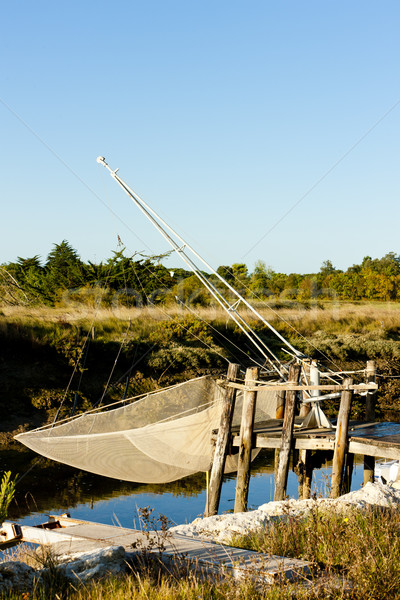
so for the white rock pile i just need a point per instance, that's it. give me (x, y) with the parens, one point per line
(221, 528)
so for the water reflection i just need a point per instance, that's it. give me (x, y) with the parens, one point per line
(47, 487)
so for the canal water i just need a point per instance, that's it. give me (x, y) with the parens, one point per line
(46, 487)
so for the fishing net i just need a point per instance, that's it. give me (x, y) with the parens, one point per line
(159, 438)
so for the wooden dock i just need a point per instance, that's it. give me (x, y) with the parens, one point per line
(67, 536)
(300, 430)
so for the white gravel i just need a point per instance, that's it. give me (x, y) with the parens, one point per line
(221, 528)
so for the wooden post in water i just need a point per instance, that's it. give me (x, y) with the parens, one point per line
(370, 399)
(246, 442)
(304, 470)
(221, 447)
(280, 411)
(348, 472)
(369, 469)
(370, 373)
(287, 436)
(341, 440)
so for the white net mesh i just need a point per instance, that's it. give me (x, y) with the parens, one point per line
(159, 438)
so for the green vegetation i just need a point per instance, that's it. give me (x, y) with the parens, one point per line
(7, 492)
(140, 280)
(45, 350)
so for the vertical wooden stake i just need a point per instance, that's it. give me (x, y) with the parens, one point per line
(341, 440)
(304, 470)
(307, 477)
(276, 463)
(299, 470)
(305, 407)
(221, 447)
(280, 411)
(348, 473)
(369, 469)
(370, 399)
(287, 436)
(280, 404)
(245, 444)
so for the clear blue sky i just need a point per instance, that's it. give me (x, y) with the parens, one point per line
(223, 115)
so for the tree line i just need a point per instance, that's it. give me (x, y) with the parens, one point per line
(138, 279)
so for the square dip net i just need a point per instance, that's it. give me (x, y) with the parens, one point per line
(161, 437)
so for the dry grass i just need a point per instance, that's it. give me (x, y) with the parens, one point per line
(329, 316)
(361, 548)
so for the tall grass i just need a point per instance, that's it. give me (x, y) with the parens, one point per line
(363, 548)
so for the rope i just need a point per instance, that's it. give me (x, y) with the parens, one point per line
(89, 332)
(115, 363)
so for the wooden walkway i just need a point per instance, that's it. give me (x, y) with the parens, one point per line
(369, 439)
(68, 536)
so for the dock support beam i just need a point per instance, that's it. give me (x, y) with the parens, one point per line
(246, 442)
(341, 440)
(348, 472)
(369, 469)
(304, 470)
(221, 447)
(287, 436)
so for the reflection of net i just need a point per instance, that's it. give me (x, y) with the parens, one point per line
(160, 438)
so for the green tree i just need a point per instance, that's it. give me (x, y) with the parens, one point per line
(63, 269)
(260, 279)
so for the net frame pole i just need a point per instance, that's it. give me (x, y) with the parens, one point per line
(157, 220)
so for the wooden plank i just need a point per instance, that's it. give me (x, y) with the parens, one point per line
(245, 445)
(288, 387)
(287, 436)
(273, 443)
(203, 556)
(221, 446)
(370, 449)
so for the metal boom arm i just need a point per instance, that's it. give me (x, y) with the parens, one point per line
(159, 224)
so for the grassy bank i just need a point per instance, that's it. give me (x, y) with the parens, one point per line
(353, 555)
(43, 350)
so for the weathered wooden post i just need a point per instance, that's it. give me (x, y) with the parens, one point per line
(305, 407)
(246, 441)
(308, 473)
(341, 439)
(370, 377)
(280, 404)
(221, 447)
(287, 435)
(369, 469)
(280, 411)
(370, 399)
(348, 472)
(304, 471)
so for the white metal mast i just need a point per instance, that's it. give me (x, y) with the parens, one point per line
(181, 248)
